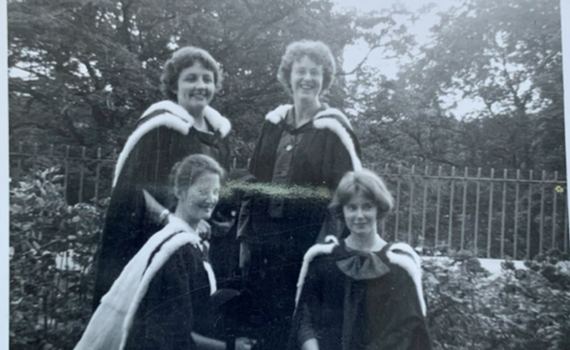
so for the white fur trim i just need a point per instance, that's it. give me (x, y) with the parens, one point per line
(218, 122)
(336, 112)
(211, 277)
(410, 261)
(159, 259)
(165, 119)
(170, 106)
(317, 249)
(176, 118)
(104, 330)
(278, 114)
(336, 127)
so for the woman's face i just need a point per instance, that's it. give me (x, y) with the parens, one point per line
(196, 88)
(306, 79)
(360, 215)
(199, 201)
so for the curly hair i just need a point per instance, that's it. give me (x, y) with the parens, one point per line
(317, 51)
(369, 184)
(181, 59)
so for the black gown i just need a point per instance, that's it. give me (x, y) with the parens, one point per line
(164, 136)
(352, 300)
(306, 164)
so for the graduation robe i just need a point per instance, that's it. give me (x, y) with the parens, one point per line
(327, 150)
(164, 136)
(352, 300)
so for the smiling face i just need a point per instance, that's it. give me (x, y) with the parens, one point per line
(196, 88)
(306, 79)
(360, 215)
(199, 201)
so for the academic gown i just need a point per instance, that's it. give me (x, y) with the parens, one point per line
(352, 300)
(164, 136)
(280, 228)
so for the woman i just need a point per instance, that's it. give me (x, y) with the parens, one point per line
(360, 292)
(166, 133)
(302, 152)
(161, 298)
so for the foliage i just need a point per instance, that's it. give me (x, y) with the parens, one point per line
(518, 309)
(52, 248)
(83, 71)
(504, 58)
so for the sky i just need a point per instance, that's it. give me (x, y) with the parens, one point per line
(420, 29)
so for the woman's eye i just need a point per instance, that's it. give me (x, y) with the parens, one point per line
(207, 79)
(190, 78)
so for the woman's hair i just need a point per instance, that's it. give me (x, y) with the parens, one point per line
(317, 51)
(181, 59)
(369, 184)
(185, 172)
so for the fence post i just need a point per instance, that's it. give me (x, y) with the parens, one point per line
(411, 206)
(477, 196)
(97, 170)
(81, 171)
(490, 223)
(396, 224)
(541, 230)
(504, 204)
(451, 197)
(554, 198)
(424, 203)
(515, 233)
(463, 208)
(437, 206)
(66, 173)
(529, 216)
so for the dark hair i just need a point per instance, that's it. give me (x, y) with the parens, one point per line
(369, 184)
(181, 59)
(185, 172)
(317, 51)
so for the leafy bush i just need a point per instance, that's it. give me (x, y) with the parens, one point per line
(519, 309)
(51, 251)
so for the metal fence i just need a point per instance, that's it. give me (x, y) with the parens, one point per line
(492, 213)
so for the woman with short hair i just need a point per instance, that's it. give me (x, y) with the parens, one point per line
(162, 298)
(360, 292)
(303, 151)
(167, 132)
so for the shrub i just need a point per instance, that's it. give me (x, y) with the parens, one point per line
(519, 309)
(51, 251)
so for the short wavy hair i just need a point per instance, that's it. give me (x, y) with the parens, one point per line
(185, 172)
(181, 59)
(316, 51)
(370, 185)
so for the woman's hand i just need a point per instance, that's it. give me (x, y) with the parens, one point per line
(204, 230)
(243, 343)
(311, 344)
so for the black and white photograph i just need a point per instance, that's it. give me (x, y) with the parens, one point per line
(287, 175)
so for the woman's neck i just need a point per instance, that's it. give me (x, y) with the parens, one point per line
(365, 243)
(199, 120)
(192, 223)
(305, 111)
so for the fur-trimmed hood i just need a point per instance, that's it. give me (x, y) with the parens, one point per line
(329, 118)
(171, 115)
(400, 254)
(110, 324)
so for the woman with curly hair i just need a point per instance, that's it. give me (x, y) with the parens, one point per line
(168, 131)
(303, 151)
